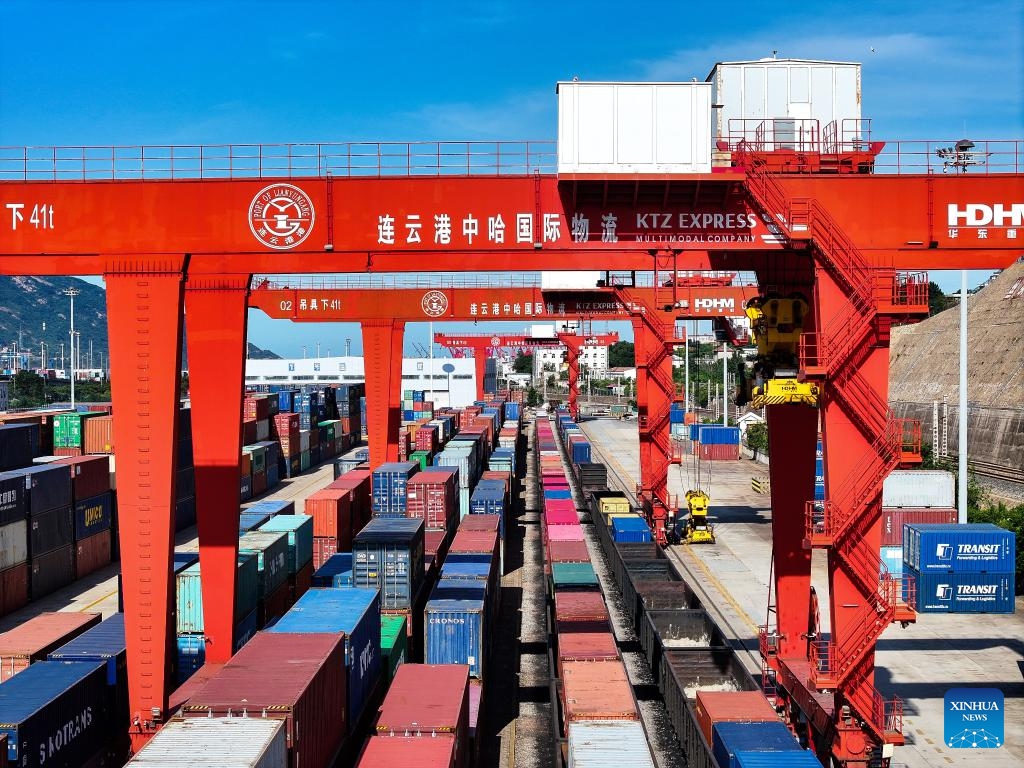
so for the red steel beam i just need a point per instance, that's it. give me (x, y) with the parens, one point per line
(382, 363)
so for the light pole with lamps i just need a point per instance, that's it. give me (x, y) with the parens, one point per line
(71, 293)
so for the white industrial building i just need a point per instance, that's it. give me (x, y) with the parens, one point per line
(595, 359)
(453, 381)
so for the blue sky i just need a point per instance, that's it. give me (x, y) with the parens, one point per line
(154, 72)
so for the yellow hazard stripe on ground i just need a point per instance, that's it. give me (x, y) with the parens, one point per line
(760, 484)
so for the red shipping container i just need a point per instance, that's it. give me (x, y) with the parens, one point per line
(474, 542)
(248, 431)
(274, 605)
(90, 475)
(407, 751)
(331, 509)
(180, 695)
(425, 699)
(13, 588)
(893, 520)
(476, 693)
(259, 483)
(583, 607)
(299, 678)
(587, 646)
(554, 517)
(323, 548)
(92, 553)
(719, 452)
(290, 444)
(284, 424)
(34, 639)
(359, 482)
(433, 497)
(596, 691)
(64, 450)
(568, 552)
(435, 543)
(245, 465)
(426, 439)
(489, 523)
(300, 583)
(99, 434)
(256, 408)
(731, 707)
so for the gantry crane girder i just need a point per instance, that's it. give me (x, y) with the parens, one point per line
(171, 240)
(481, 343)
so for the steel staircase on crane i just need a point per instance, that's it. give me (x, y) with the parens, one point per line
(835, 354)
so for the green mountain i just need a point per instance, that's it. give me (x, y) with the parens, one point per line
(34, 310)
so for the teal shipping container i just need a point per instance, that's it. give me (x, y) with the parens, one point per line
(271, 550)
(300, 538)
(189, 594)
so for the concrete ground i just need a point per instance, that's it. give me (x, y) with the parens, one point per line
(918, 664)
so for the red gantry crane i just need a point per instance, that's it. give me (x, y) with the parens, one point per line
(181, 230)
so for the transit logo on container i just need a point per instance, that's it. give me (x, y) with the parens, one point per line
(944, 551)
(973, 718)
(281, 216)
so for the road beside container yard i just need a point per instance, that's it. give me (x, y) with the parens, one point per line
(918, 664)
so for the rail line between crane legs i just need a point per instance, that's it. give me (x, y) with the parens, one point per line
(623, 481)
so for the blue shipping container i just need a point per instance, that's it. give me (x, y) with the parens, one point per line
(250, 521)
(892, 559)
(192, 648)
(104, 642)
(970, 548)
(300, 538)
(244, 488)
(273, 507)
(189, 594)
(356, 612)
(93, 515)
(388, 555)
(41, 702)
(388, 487)
(455, 626)
(937, 592)
(558, 494)
(580, 453)
(48, 486)
(802, 759)
(630, 529)
(13, 498)
(710, 434)
(336, 572)
(729, 738)
(17, 445)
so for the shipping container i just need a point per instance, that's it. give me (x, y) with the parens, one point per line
(331, 509)
(573, 576)
(409, 752)
(968, 548)
(226, 742)
(917, 488)
(92, 553)
(191, 649)
(946, 592)
(33, 640)
(894, 518)
(13, 498)
(271, 550)
(297, 678)
(388, 487)
(93, 515)
(189, 594)
(731, 707)
(13, 544)
(299, 529)
(729, 738)
(456, 625)
(596, 691)
(432, 496)
(575, 645)
(52, 571)
(354, 613)
(48, 486)
(50, 530)
(802, 759)
(428, 699)
(336, 572)
(631, 529)
(56, 714)
(68, 429)
(18, 444)
(90, 475)
(388, 555)
(394, 646)
(14, 586)
(608, 744)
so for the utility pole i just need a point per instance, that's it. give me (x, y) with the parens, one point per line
(71, 293)
(962, 439)
(62, 355)
(725, 384)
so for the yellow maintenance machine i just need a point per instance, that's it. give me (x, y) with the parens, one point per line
(776, 324)
(698, 529)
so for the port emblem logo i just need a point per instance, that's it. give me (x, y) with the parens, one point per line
(495, 341)
(281, 216)
(434, 303)
(973, 718)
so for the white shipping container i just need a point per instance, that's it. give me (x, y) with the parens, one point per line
(608, 744)
(631, 128)
(216, 742)
(13, 544)
(303, 440)
(262, 430)
(919, 488)
(803, 92)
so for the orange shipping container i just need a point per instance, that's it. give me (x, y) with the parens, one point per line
(597, 690)
(731, 707)
(331, 509)
(99, 434)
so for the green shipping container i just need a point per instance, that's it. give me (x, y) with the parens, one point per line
(189, 594)
(271, 550)
(259, 457)
(421, 457)
(303, 461)
(68, 429)
(394, 644)
(573, 576)
(331, 429)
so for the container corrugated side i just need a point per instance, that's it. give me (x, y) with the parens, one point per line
(226, 742)
(729, 738)
(13, 544)
(33, 640)
(731, 707)
(972, 548)
(402, 751)
(394, 645)
(597, 691)
(937, 592)
(300, 538)
(608, 744)
(297, 678)
(405, 711)
(802, 759)
(919, 488)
